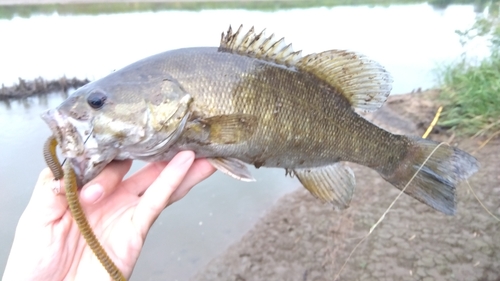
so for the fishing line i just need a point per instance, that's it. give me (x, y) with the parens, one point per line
(388, 209)
(486, 141)
(427, 132)
(84, 142)
(482, 205)
(433, 123)
(470, 188)
(88, 137)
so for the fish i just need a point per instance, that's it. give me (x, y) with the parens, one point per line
(255, 101)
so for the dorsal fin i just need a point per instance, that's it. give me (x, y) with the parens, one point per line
(258, 46)
(365, 83)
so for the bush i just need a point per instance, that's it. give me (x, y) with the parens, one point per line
(471, 90)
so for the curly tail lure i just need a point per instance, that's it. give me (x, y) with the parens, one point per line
(49, 153)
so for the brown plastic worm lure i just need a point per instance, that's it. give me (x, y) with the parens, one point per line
(49, 153)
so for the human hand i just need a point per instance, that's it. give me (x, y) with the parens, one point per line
(48, 244)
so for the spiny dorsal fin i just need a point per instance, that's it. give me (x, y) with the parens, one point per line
(258, 46)
(365, 83)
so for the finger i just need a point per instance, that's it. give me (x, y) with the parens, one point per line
(199, 171)
(156, 197)
(142, 179)
(45, 206)
(105, 183)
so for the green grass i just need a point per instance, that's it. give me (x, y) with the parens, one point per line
(470, 90)
(471, 96)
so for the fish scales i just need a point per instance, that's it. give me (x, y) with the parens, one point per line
(297, 113)
(253, 100)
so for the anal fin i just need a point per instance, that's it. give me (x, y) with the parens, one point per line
(232, 167)
(334, 183)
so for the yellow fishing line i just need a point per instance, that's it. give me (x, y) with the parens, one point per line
(482, 205)
(486, 142)
(433, 123)
(388, 209)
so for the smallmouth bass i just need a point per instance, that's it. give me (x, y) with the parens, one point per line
(253, 100)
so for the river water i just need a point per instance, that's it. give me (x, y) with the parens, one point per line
(409, 40)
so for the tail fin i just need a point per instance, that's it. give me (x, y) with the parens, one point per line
(435, 183)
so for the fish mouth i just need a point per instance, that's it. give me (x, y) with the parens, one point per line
(67, 134)
(75, 140)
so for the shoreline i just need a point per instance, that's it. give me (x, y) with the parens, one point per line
(66, 2)
(39, 86)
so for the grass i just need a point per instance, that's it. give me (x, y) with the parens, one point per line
(471, 91)
(471, 96)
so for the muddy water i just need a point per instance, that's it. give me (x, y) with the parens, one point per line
(408, 40)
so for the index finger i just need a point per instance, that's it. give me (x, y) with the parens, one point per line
(142, 179)
(156, 197)
(106, 182)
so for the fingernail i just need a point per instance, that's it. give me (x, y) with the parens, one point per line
(92, 194)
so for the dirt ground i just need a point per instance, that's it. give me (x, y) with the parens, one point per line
(302, 239)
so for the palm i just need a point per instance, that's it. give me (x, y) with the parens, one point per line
(121, 239)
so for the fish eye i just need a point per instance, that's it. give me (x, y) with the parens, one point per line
(96, 99)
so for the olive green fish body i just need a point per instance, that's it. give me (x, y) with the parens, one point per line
(286, 118)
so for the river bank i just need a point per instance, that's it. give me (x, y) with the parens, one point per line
(40, 86)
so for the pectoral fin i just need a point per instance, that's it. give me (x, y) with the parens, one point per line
(232, 167)
(334, 183)
(228, 129)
